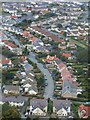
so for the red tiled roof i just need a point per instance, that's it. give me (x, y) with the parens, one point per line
(51, 58)
(25, 33)
(14, 16)
(11, 45)
(4, 61)
(86, 108)
(66, 54)
(30, 36)
(47, 33)
(5, 47)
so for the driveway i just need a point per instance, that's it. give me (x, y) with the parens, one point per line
(49, 89)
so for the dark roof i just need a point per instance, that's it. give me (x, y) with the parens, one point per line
(12, 99)
(58, 61)
(41, 103)
(70, 87)
(58, 104)
(28, 67)
(12, 87)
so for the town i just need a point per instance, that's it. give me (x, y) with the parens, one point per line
(44, 60)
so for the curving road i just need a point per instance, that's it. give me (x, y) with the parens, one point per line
(49, 89)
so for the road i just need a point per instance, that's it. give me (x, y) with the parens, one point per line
(50, 87)
(13, 39)
(27, 17)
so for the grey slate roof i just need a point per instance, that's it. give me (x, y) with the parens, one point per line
(18, 99)
(41, 103)
(12, 88)
(58, 61)
(58, 104)
(68, 86)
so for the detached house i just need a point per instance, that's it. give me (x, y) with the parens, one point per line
(61, 107)
(38, 107)
(5, 62)
(69, 89)
(84, 111)
(51, 59)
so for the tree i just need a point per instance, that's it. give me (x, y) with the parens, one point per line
(26, 52)
(50, 106)
(74, 108)
(8, 53)
(9, 112)
(82, 55)
(7, 77)
(59, 25)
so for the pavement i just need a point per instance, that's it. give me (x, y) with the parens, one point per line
(49, 89)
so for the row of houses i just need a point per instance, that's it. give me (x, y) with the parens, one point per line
(69, 85)
(39, 107)
(46, 33)
(27, 78)
(18, 101)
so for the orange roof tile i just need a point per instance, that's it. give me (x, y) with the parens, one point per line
(66, 54)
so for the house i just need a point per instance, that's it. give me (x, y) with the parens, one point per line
(45, 32)
(11, 89)
(22, 59)
(51, 59)
(13, 101)
(69, 90)
(28, 67)
(5, 62)
(71, 44)
(67, 55)
(61, 107)
(30, 87)
(62, 47)
(18, 51)
(84, 111)
(21, 75)
(38, 107)
(69, 87)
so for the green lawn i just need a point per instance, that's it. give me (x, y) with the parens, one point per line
(79, 43)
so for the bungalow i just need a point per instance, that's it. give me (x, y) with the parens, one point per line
(38, 107)
(61, 107)
(11, 89)
(84, 111)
